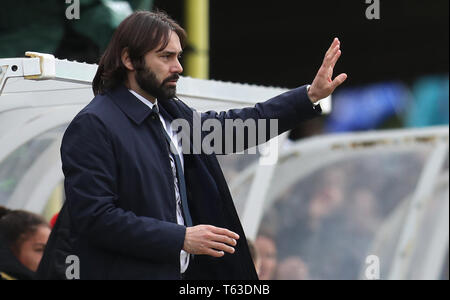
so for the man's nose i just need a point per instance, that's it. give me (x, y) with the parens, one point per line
(177, 67)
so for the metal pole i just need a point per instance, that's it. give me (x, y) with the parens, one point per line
(197, 26)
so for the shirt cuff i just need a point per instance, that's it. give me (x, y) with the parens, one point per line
(316, 105)
(313, 103)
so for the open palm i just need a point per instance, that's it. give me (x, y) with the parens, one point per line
(323, 85)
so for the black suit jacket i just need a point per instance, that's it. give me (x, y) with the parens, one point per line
(120, 216)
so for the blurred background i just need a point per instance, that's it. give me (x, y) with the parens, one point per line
(342, 203)
(401, 59)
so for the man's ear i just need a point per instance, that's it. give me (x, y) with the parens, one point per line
(126, 60)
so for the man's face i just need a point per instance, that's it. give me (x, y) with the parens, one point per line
(162, 68)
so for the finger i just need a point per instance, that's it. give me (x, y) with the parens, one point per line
(329, 58)
(222, 247)
(224, 239)
(336, 58)
(223, 231)
(339, 80)
(214, 253)
(333, 45)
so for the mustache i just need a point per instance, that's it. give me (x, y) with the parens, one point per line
(171, 78)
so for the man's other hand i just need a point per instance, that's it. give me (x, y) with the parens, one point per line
(209, 240)
(323, 85)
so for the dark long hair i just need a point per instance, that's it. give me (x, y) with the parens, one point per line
(16, 226)
(139, 33)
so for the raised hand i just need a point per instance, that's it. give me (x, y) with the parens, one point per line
(323, 85)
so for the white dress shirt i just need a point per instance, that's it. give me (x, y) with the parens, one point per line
(184, 256)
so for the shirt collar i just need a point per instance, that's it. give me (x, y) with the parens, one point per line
(162, 113)
(143, 100)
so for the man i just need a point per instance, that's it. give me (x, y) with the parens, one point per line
(136, 208)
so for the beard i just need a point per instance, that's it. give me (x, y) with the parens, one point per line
(147, 81)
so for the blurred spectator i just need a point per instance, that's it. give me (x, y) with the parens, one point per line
(366, 108)
(363, 210)
(430, 106)
(292, 268)
(23, 237)
(255, 256)
(328, 198)
(266, 248)
(329, 219)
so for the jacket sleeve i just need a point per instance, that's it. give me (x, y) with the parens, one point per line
(91, 173)
(287, 110)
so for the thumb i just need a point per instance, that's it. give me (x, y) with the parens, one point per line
(339, 80)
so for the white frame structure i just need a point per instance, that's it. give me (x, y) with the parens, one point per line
(301, 159)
